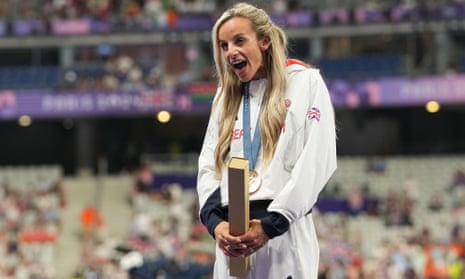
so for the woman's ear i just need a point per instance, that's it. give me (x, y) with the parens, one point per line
(265, 43)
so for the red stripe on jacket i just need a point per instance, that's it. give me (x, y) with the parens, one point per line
(291, 61)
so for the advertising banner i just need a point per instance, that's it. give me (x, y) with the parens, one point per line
(47, 104)
(397, 92)
(197, 98)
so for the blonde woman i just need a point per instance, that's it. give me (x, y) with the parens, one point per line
(277, 113)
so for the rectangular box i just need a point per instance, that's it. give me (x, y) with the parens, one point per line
(238, 212)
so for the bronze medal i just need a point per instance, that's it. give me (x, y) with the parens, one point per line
(255, 181)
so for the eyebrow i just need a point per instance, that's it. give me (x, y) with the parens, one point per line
(234, 37)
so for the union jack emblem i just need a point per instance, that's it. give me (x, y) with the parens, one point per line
(314, 113)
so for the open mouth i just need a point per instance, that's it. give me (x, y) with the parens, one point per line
(239, 65)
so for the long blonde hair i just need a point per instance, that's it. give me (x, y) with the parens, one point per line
(273, 111)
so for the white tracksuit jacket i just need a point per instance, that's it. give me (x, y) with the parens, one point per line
(304, 160)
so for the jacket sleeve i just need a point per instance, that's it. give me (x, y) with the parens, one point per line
(208, 187)
(315, 164)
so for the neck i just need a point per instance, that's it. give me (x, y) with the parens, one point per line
(261, 73)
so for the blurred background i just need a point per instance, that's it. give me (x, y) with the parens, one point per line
(104, 104)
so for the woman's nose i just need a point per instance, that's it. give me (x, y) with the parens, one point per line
(231, 52)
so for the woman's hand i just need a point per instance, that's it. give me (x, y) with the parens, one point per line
(255, 238)
(229, 244)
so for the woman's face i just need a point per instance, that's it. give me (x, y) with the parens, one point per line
(241, 49)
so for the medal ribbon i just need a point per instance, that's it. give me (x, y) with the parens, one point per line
(251, 146)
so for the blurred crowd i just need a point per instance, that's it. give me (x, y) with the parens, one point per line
(131, 67)
(388, 241)
(401, 234)
(133, 15)
(412, 253)
(164, 238)
(30, 223)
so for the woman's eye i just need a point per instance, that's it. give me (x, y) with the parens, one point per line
(224, 46)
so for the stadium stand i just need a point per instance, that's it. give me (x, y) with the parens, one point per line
(132, 15)
(363, 243)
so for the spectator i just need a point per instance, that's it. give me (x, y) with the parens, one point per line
(143, 186)
(355, 202)
(397, 210)
(92, 222)
(411, 188)
(436, 202)
(458, 180)
(376, 165)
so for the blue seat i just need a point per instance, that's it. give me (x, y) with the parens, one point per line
(29, 77)
(362, 67)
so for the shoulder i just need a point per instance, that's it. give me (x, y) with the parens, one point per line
(304, 80)
(297, 69)
(303, 74)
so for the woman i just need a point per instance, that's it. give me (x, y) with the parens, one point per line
(277, 113)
